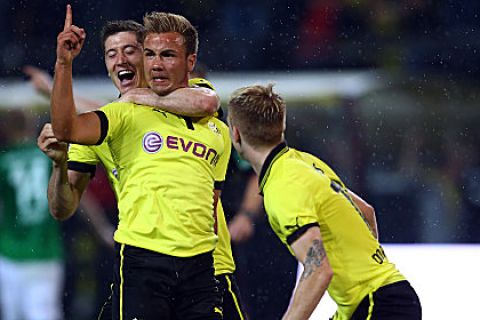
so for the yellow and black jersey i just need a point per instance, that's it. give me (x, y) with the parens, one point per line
(166, 167)
(86, 158)
(301, 191)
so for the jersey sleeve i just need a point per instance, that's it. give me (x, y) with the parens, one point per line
(115, 114)
(220, 170)
(291, 207)
(82, 158)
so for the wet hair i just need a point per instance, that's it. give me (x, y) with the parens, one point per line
(259, 113)
(163, 22)
(117, 26)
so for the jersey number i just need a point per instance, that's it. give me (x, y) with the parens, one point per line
(29, 179)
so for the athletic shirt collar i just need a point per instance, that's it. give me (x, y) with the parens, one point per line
(276, 152)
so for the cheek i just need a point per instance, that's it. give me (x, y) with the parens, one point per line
(109, 66)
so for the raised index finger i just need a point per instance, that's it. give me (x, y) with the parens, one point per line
(68, 18)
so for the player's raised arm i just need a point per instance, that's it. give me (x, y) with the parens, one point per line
(67, 125)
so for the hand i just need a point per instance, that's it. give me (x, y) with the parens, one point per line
(138, 96)
(54, 149)
(70, 40)
(40, 79)
(241, 228)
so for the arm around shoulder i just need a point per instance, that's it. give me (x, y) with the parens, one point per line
(192, 102)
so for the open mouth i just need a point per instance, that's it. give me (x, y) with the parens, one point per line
(126, 76)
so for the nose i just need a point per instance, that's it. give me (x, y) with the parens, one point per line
(121, 59)
(157, 63)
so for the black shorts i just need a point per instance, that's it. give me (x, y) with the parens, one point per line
(232, 303)
(396, 301)
(151, 286)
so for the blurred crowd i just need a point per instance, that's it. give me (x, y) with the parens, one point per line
(412, 35)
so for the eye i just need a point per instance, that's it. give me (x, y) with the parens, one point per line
(169, 54)
(130, 50)
(148, 53)
(111, 54)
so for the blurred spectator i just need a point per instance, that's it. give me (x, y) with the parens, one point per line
(31, 250)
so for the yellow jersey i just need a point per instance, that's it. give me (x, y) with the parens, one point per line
(301, 191)
(85, 158)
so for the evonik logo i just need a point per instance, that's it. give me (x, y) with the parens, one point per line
(153, 142)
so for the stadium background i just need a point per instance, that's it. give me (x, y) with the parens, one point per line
(384, 91)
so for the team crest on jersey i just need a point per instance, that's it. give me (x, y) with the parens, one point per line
(152, 142)
(213, 127)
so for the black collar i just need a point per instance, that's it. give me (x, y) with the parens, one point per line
(272, 156)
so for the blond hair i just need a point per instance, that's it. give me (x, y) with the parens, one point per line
(163, 22)
(259, 113)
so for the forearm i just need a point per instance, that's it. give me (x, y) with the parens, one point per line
(372, 222)
(193, 102)
(367, 211)
(252, 201)
(62, 201)
(62, 106)
(308, 294)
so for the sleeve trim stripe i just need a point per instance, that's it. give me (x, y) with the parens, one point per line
(103, 126)
(82, 167)
(299, 232)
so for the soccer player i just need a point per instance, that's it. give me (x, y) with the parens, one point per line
(121, 40)
(31, 248)
(165, 234)
(317, 218)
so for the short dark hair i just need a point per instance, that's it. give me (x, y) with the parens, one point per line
(114, 27)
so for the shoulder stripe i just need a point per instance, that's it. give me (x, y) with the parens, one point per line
(103, 126)
(299, 232)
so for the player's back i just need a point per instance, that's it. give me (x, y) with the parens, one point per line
(303, 183)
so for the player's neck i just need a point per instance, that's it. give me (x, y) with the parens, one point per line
(256, 156)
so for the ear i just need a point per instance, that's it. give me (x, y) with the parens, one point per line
(236, 138)
(191, 60)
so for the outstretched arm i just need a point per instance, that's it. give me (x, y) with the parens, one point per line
(67, 125)
(316, 276)
(242, 225)
(193, 102)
